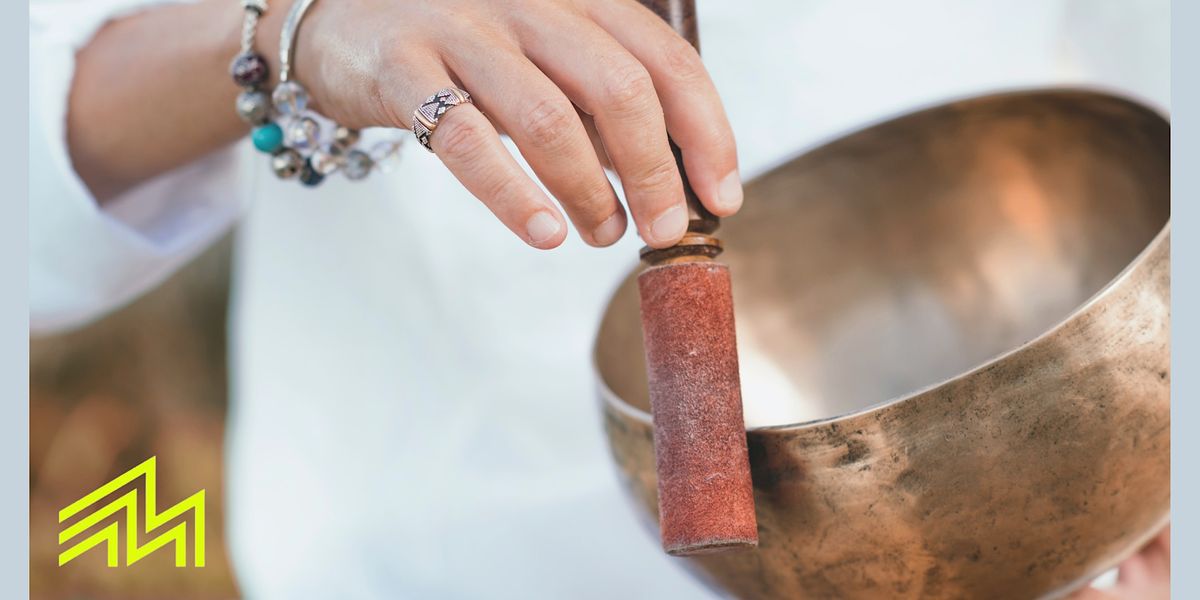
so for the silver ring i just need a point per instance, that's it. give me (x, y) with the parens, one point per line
(425, 118)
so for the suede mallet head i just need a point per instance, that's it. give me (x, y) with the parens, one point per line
(705, 494)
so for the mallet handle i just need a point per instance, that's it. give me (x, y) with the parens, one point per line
(681, 15)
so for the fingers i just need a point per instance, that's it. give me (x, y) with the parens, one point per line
(1091, 593)
(1143, 576)
(548, 132)
(597, 143)
(631, 85)
(1149, 571)
(612, 86)
(694, 114)
(470, 147)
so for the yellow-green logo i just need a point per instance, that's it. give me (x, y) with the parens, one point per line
(129, 503)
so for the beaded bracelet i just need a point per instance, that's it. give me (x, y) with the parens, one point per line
(295, 146)
(249, 71)
(314, 146)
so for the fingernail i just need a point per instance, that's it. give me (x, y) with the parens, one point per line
(729, 192)
(541, 227)
(608, 232)
(670, 225)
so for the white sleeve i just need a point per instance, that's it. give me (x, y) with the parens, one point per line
(84, 260)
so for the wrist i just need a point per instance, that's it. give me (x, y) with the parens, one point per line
(286, 125)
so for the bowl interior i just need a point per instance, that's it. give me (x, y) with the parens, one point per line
(915, 250)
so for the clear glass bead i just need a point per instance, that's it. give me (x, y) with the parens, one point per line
(253, 107)
(326, 159)
(357, 165)
(287, 163)
(345, 137)
(290, 99)
(386, 154)
(301, 134)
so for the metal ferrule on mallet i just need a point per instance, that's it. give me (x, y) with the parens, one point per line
(705, 494)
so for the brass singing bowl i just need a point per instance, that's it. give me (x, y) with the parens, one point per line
(953, 331)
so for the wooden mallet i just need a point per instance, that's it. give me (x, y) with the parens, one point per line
(705, 496)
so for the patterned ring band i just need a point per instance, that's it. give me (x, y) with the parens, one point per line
(425, 118)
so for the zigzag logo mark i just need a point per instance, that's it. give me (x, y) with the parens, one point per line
(129, 503)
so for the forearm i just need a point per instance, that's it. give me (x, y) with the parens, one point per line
(152, 92)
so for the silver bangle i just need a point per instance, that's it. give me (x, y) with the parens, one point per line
(308, 154)
(287, 36)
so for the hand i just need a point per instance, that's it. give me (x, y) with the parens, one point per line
(1143, 576)
(547, 72)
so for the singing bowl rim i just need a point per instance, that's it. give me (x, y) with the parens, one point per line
(1163, 235)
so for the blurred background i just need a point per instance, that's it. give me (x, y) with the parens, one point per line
(151, 379)
(148, 380)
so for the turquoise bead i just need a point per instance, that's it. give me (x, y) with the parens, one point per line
(268, 138)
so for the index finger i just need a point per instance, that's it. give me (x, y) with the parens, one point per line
(692, 108)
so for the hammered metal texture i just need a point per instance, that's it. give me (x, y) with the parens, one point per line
(953, 330)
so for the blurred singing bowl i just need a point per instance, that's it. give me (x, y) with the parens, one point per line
(954, 340)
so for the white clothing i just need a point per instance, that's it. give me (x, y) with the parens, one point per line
(424, 405)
